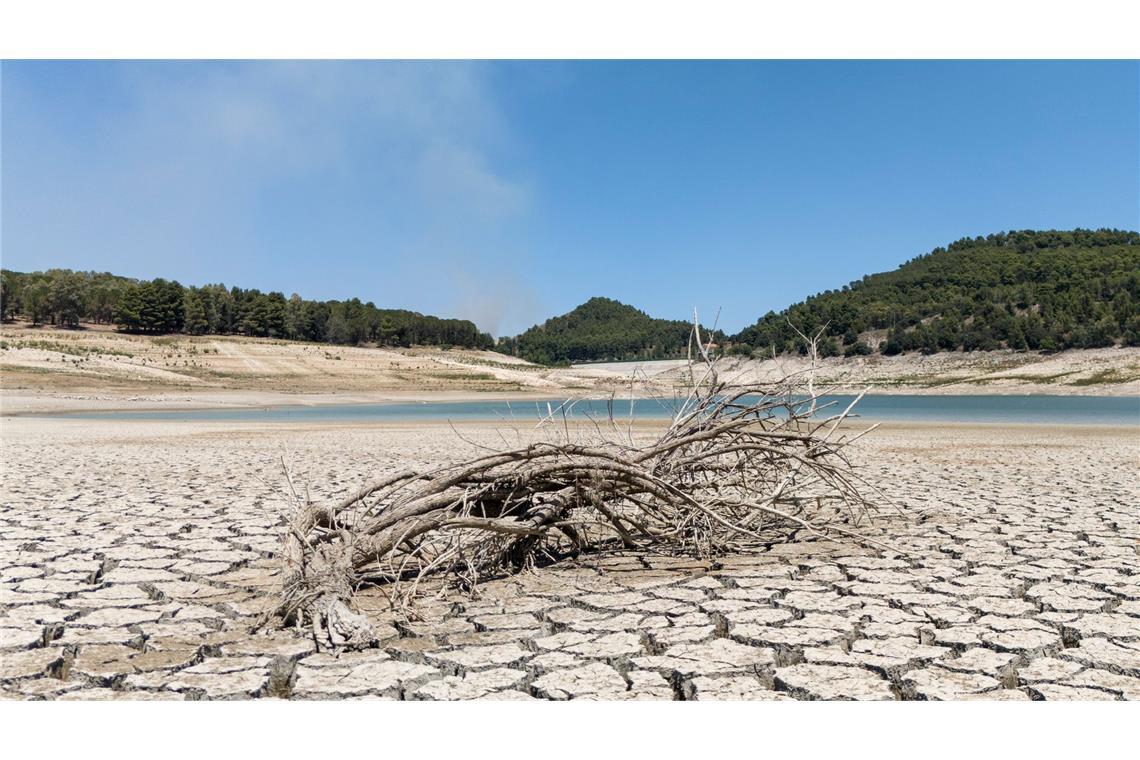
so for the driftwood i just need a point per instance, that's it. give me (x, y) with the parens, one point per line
(738, 465)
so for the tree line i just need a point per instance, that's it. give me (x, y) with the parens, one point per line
(601, 329)
(1027, 290)
(66, 298)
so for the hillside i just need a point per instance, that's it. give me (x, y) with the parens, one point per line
(63, 298)
(1039, 291)
(99, 362)
(1026, 290)
(50, 369)
(600, 330)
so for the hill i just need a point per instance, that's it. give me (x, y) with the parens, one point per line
(79, 367)
(601, 329)
(65, 298)
(1028, 290)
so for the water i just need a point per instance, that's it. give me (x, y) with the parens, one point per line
(1066, 410)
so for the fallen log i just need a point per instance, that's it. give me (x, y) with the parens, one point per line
(738, 465)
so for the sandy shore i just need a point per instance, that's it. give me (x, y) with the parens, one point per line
(46, 370)
(1094, 372)
(134, 555)
(17, 403)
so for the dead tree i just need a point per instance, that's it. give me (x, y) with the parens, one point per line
(737, 465)
(812, 344)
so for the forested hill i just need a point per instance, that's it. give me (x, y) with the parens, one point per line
(599, 330)
(66, 298)
(1023, 290)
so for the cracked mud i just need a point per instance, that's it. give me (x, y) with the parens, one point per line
(134, 559)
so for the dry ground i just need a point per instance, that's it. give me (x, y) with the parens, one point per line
(1098, 372)
(133, 556)
(45, 369)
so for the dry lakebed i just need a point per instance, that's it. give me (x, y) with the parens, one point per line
(135, 554)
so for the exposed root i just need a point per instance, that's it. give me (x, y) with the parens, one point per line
(739, 465)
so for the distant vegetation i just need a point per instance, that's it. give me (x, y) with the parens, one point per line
(1021, 290)
(65, 298)
(600, 330)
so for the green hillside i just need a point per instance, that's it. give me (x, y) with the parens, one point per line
(1023, 290)
(66, 298)
(1046, 290)
(600, 330)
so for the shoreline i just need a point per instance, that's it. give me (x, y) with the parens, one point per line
(106, 409)
(19, 426)
(47, 369)
(49, 404)
(14, 404)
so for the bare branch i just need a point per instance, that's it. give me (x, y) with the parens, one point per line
(737, 465)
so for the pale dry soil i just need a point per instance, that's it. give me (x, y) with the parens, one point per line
(51, 370)
(46, 369)
(134, 556)
(1088, 372)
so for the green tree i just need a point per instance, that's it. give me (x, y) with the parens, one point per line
(10, 304)
(65, 298)
(35, 301)
(194, 321)
(1027, 289)
(128, 311)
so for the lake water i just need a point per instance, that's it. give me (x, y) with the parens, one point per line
(1072, 410)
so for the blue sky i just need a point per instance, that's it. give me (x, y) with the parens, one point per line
(511, 192)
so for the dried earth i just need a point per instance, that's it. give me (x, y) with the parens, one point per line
(52, 370)
(1093, 372)
(46, 369)
(134, 555)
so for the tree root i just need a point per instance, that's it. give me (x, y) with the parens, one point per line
(738, 465)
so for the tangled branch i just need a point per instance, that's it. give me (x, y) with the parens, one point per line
(738, 465)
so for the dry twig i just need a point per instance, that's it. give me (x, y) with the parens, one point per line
(738, 465)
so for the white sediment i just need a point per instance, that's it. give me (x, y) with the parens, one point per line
(134, 555)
